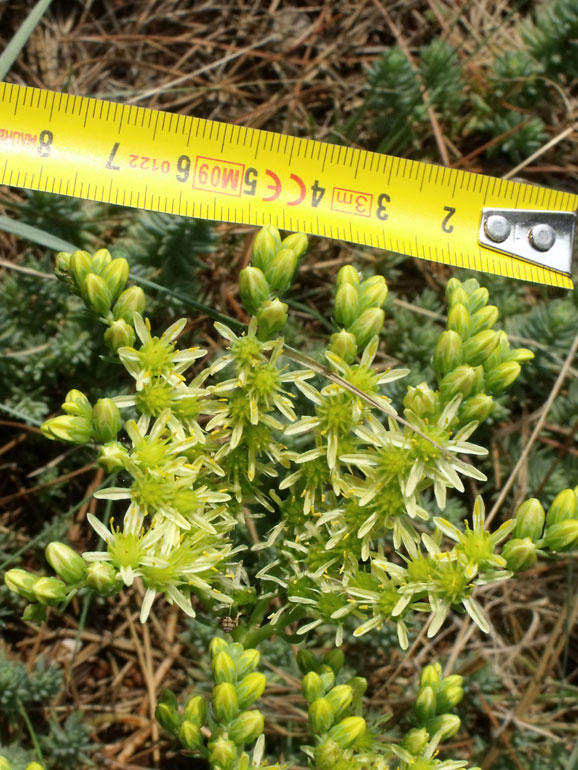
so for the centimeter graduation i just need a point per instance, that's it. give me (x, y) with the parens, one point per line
(133, 156)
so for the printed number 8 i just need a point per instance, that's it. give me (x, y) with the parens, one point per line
(44, 143)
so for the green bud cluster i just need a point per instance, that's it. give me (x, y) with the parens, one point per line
(44, 591)
(561, 531)
(220, 732)
(536, 530)
(437, 696)
(358, 310)
(274, 262)
(82, 422)
(521, 551)
(100, 280)
(471, 359)
(333, 720)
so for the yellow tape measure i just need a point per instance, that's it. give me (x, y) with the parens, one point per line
(132, 156)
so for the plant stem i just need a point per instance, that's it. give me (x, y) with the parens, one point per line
(31, 731)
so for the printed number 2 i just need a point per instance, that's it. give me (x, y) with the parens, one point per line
(447, 228)
(44, 143)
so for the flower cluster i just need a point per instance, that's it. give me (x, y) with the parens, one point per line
(344, 484)
(221, 731)
(340, 489)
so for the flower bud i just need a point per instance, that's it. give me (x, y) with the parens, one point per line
(340, 699)
(34, 613)
(253, 288)
(113, 456)
(431, 676)
(96, 294)
(225, 702)
(271, 318)
(79, 266)
(296, 241)
(50, 591)
(75, 430)
(307, 661)
(35, 766)
(222, 754)
(478, 299)
(234, 649)
(519, 553)
(448, 353)
(101, 577)
(217, 645)
(346, 305)
(484, 319)
(521, 355)
(478, 408)
(452, 285)
(106, 420)
(372, 292)
(321, 715)
(530, 519)
(477, 348)
(563, 507)
(67, 564)
(119, 334)
(77, 404)
(461, 380)
(335, 659)
(502, 376)
(247, 727)
(425, 704)
(459, 320)
(347, 274)
(457, 295)
(369, 323)
(195, 710)
(327, 677)
(327, 755)
(247, 662)
(266, 244)
(416, 740)
(279, 272)
(347, 731)
(224, 668)
(421, 400)
(190, 736)
(359, 685)
(251, 688)
(446, 725)
(21, 582)
(450, 693)
(131, 301)
(562, 536)
(5, 764)
(166, 712)
(62, 266)
(344, 344)
(101, 259)
(115, 275)
(312, 686)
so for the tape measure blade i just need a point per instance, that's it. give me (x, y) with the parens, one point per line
(136, 157)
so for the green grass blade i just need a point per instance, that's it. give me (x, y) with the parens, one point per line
(10, 53)
(34, 234)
